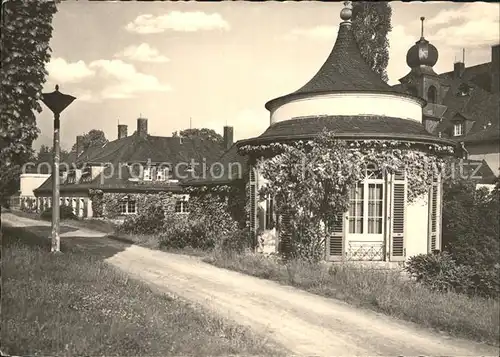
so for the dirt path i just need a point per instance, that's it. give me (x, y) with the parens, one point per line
(305, 323)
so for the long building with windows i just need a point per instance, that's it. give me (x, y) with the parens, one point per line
(130, 166)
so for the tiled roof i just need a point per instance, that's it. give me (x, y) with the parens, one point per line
(231, 166)
(480, 75)
(480, 106)
(344, 70)
(477, 170)
(137, 149)
(348, 127)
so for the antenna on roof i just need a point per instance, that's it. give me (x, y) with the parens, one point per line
(422, 27)
(463, 55)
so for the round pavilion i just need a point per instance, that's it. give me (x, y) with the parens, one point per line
(346, 97)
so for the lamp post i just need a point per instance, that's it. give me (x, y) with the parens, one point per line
(56, 102)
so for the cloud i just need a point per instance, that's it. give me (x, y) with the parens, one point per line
(474, 25)
(142, 53)
(61, 71)
(127, 81)
(320, 32)
(86, 96)
(177, 21)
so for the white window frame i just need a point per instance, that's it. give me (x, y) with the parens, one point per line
(146, 173)
(126, 204)
(162, 174)
(367, 181)
(458, 129)
(184, 204)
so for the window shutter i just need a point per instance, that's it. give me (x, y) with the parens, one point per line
(285, 234)
(253, 203)
(336, 240)
(435, 215)
(398, 217)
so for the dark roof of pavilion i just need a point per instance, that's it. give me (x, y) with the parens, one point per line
(344, 70)
(348, 127)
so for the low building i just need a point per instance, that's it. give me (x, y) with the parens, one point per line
(25, 198)
(131, 168)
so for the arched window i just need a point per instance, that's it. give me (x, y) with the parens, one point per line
(431, 94)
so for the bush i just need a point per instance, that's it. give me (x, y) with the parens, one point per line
(207, 224)
(237, 241)
(65, 212)
(148, 221)
(441, 272)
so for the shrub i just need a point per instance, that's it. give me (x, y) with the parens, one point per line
(207, 223)
(441, 272)
(65, 212)
(149, 221)
(237, 241)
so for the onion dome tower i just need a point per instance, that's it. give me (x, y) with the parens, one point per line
(422, 81)
(347, 97)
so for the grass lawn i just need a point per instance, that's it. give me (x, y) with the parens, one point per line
(74, 304)
(380, 290)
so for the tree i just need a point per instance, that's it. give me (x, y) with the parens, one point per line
(207, 134)
(92, 138)
(371, 22)
(26, 31)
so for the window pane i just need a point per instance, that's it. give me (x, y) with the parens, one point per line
(131, 206)
(359, 225)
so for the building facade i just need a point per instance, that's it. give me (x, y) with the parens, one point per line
(349, 99)
(131, 168)
(462, 104)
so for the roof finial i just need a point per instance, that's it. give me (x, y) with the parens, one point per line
(463, 55)
(57, 87)
(422, 29)
(346, 12)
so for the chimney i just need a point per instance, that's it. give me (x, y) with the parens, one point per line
(495, 68)
(228, 137)
(79, 145)
(458, 69)
(122, 131)
(142, 127)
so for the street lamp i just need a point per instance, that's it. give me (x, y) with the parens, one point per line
(56, 102)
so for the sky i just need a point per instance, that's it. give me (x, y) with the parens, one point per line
(219, 63)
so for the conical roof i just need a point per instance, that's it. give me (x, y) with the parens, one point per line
(344, 70)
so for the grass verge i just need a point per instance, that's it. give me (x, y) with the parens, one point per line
(74, 304)
(143, 240)
(380, 290)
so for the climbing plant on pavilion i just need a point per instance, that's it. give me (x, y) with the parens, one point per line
(310, 180)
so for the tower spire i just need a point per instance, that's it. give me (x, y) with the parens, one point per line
(422, 27)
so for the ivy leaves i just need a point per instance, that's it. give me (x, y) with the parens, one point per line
(371, 23)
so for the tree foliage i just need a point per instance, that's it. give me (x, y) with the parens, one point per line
(207, 134)
(471, 228)
(371, 22)
(93, 138)
(26, 31)
(471, 243)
